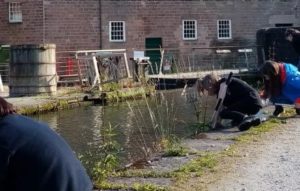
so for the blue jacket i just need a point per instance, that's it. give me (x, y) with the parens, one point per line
(291, 83)
(34, 158)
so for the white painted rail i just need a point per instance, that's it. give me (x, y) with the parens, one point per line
(194, 75)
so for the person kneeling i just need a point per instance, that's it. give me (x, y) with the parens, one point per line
(241, 102)
(281, 85)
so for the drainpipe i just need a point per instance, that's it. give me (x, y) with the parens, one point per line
(100, 25)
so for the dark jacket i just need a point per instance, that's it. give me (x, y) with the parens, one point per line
(240, 95)
(34, 158)
(296, 42)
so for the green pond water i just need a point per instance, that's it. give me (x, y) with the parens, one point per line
(137, 125)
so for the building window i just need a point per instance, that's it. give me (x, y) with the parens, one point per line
(189, 31)
(224, 29)
(117, 31)
(15, 13)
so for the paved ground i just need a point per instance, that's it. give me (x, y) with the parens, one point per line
(35, 101)
(270, 165)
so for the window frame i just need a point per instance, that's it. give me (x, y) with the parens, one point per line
(123, 31)
(184, 29)
(229, 29)
(15, 12)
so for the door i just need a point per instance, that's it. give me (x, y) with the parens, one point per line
(153, 46)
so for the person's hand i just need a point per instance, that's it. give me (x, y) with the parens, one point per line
(5, 107)
(263, 94)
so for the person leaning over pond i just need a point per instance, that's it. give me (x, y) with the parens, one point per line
(281, 85)
(34, 158)
(241, 101)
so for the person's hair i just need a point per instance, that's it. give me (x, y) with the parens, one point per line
(209, 80)
(208, 83)
(272, 84)
(269, 68)
(5, 107)
(291, 31)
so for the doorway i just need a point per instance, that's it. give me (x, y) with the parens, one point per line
(153, 46)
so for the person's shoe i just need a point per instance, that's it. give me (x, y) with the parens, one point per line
(278, 110)
(256, 121)
(249, 122)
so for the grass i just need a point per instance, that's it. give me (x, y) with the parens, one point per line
(209, 161)
(50, 106)
(145, 174)
(253, 133)
(133, 187)
(198, 165)
(116, 93)
(171, 145)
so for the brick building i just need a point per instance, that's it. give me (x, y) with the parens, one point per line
(94, 24)
(71, 25)
(139, 24)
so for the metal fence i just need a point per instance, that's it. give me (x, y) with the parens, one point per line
(91, 67)
(67, 68)
(203, 59)
(4, 72)
(75, 66)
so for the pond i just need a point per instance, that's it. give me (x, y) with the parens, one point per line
(137, 124)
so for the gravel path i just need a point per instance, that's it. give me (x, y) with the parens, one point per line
(270, 165)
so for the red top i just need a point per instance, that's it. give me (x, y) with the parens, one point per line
(282, 73)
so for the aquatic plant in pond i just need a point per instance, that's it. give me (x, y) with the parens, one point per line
(200, 104)
(108, 162)
(161, 114)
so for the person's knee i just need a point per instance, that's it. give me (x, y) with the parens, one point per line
(252, 109)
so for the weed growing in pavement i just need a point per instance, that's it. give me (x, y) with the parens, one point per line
(199, 164)
(134, 187)
(172, 147)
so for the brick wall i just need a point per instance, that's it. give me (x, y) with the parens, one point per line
(75, 24)
(70, 24)
(163, 18)
(30, 31)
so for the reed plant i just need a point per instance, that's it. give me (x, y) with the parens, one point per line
(200, 104)
(159, 115)
(154, 117)
(107, 162)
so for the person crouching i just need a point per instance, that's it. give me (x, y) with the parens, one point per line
(281, 85)
(241, 102)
